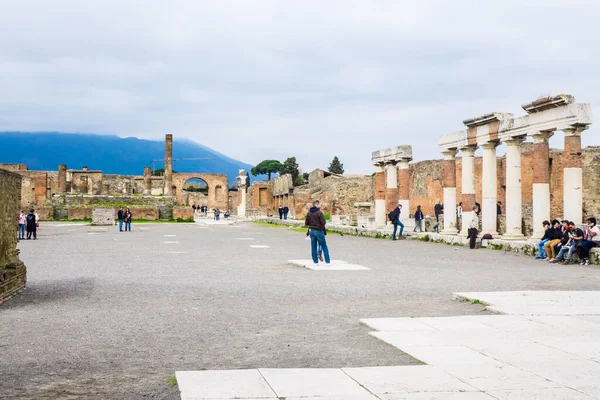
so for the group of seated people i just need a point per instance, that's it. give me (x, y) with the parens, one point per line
(563, 239)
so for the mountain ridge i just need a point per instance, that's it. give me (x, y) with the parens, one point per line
(112, 154)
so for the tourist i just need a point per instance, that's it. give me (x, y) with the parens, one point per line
(473, 230)
(127, 218)
(554, 237)
(459, 210)
(565, 242)
(22, 221)
(499, 208)
(280, 212)
(217, 214)
(286, 210)
(394, 216)
(120, 215)
(194, 207)
(591, 235)
(478, 208)
(315, 220)
(419, 219)
(575, 238)
(438, 210)
(31, 225)
(541, 251)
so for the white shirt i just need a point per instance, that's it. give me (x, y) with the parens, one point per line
(474, 222)
(459, 211)
(22, 219)
(596, 230)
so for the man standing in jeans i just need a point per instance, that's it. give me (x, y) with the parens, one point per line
(315, 220)
(394, 217)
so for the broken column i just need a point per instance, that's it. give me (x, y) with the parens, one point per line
(573, 175)
(168, 189)
(391, 186)
(62, 178)
(147, 180)
(449, 184)
(389, 160)
(242, 178)
(380, 214)
(468, 186)
(489, 192)
(403, 194)
(514, 223)
(541, 182)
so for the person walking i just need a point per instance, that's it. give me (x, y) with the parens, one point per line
(22, 221)
(473, 229)
(394, 217)
(315, 220)
(120, 218)
(418, 219)
(280, 212)
(286, 210)
(127, 217)
(31, 225)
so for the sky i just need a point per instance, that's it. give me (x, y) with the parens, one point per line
(271, 79)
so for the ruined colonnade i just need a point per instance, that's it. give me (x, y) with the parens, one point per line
(544, 117)
(391, 182)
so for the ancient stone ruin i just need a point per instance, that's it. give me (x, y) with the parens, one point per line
(13, 274)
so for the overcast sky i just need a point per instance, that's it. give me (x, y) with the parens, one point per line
(272, 79)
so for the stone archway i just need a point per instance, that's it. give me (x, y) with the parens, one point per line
(212, 181)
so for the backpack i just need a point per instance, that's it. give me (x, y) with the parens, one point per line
(393, 215)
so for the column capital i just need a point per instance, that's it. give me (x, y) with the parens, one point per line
(450, 154)
(468, 150)
(490, 145)
(575, 130)
(515, 141)
(542, 136)
(379, 168)
(403, 163)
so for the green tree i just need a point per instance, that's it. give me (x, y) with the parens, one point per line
(266, 167)
(336, 167)
(305, 177)
(290, 166)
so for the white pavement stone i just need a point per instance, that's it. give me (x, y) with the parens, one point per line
(437, 396)
(336, 265)
(244, 238)
(396, 324)
(259, 246)
(312, 382)
(499, 377)
(223, 385)
(539, 394)
(170, 242)
(421, 378)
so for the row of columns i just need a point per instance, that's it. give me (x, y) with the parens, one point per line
(391, 189)
(572, 191)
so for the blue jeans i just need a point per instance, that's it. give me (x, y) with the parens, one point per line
(541, 251)
(285, 215)
(318, 238)
(21, 231)
(396, 228)
(128, 226)
(561, 254)
(121, 224)
(418, 224)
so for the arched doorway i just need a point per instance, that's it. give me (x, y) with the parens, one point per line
(195, 192)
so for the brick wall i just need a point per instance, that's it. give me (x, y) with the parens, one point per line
(12, 270)
(183, 212)
(80, 213)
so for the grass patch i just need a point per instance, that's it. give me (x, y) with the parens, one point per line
(475, 301)
(425, 238)
(172, 380)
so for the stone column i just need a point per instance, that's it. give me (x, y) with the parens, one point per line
(147, 180)
(541, 182)
(573, 176)
(62, 178)
(403, 194)
(468, 186)
(391, 187)
(380, 207)
(489, 190)
(242, 194)
(168, 190)
(514, 222)
(449, 182)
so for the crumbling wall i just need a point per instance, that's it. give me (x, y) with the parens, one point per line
(12, 270)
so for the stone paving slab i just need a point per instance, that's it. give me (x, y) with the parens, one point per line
(336, 265)
(312, 382)
(223, 385)
(437, 396)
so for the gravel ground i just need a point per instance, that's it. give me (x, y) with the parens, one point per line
(114, 315)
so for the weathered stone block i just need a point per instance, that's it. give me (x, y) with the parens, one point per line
(147, 213)
(103, 216)
(80, 213)
(183, 213)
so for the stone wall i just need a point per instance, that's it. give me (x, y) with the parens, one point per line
(12, 270)
(103, 216)
(130, 200)
(183, 212)
(79, 213)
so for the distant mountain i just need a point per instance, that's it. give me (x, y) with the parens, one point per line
(112, 154)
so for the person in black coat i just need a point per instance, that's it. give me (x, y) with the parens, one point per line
(120, 218)
(31, 225)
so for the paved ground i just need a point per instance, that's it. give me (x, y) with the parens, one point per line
(113, 315)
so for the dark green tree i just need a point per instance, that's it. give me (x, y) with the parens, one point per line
(290, 166)
(266, 167)
(336, 167)
(305, 177)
